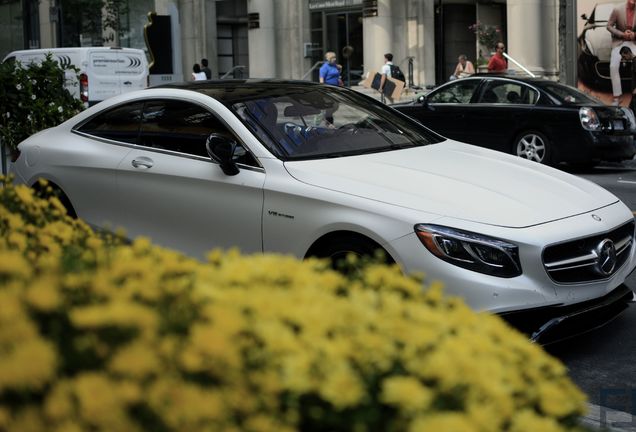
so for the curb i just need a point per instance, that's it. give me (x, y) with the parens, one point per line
(608, 420)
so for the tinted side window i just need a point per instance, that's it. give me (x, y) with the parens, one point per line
(119, 124)
(178, 126)
(508, 92)
(459, 92)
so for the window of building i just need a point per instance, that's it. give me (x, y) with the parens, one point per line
(13, 27)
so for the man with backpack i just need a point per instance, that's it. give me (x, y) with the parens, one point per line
(390, 70)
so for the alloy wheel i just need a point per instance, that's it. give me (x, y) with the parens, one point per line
(532, 146)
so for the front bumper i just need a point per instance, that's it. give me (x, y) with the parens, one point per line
(551, 324)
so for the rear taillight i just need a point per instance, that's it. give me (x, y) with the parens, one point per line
(84, 87)
(631, 120)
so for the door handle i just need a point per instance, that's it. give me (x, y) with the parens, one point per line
(142, 163)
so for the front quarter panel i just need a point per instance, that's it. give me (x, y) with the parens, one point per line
(296, 214)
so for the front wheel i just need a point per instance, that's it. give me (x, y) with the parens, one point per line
(337, 250)
(534, 146)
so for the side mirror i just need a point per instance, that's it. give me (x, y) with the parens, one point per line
(221, 149)
(423, 100)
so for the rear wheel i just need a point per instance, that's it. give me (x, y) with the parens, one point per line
(55, 191)
(534, 146)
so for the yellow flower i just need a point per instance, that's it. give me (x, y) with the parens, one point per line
(406, 393)
(43, 294)
(558, 399)
(24, 193)
(446, 422)
(185, 406)
(122, 314)
(526, 420)
(31, 364)
(100, 402)
(137, 361)
(17, 240)
(13, 265)
(342, 387)
(5, 417)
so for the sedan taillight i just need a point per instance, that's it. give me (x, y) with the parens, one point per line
(631, 120)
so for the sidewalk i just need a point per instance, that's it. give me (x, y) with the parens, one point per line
(607, 420)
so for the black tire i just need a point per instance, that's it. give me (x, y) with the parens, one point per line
(533, 145)
(336, 249)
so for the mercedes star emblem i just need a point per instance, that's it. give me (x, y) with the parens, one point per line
(606, 252)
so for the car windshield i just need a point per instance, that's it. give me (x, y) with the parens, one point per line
(319, 122)
(568, 95)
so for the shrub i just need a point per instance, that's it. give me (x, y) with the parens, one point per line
(33, 98)
(100, 335)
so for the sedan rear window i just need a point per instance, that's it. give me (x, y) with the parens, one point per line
(566, 95)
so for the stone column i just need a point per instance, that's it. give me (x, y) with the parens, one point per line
(532, 38)
(377, 34)
(292, 30)
(262, 41)
(211, 51)
(421, 16)
(48, 28)
(192, 34)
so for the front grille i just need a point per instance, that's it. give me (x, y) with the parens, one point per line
(589, 259)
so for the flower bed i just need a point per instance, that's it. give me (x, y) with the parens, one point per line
(100, 335)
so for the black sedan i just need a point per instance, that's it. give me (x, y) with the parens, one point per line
(533, 118)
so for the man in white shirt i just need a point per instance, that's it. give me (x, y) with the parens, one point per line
(386, 71)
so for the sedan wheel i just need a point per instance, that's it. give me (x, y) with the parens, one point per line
(533, 146)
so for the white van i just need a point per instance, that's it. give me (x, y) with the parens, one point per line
(103, 71)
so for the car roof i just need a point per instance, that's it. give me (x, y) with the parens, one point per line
(537, 82)
(515, 77)
(232, 90)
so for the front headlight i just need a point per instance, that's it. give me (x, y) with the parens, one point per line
(471, 251)
(589, 119)
(629, 114)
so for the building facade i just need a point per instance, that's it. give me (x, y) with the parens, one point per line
(288, 38)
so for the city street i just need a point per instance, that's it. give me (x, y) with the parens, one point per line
(602, 362)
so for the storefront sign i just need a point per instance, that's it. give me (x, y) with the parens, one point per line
(328, 4)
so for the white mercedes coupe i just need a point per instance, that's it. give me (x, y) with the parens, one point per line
(315, 170)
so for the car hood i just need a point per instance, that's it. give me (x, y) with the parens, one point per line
(460, 181)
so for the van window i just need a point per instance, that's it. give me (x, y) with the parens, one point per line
(118, 124)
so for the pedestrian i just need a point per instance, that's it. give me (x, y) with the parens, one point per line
(205, 69)
(385, 71)
(197, 75)
(330, 71)
(621, 25)
(463, 69)
(628, 56)
(498, 63)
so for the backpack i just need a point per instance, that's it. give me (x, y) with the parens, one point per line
(397, 73)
